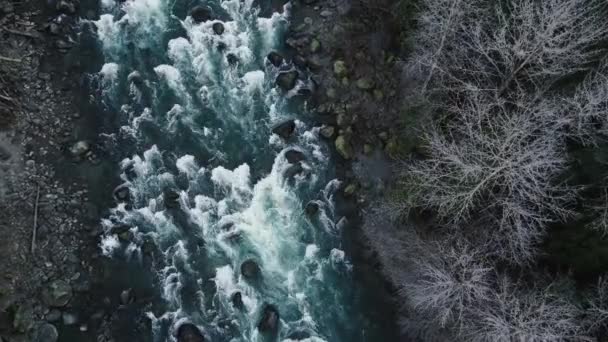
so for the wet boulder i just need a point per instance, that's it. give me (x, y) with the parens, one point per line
(269, 322)
(275, 58)
(122, 193)
(250, 269)
(200, 14)
(237, 300)
(171, 199)
(189, 332)
(232, 59)
(218, 28)
(298, 335)
(284, 129)
(312, 208)
(287, 80)
(294, 156)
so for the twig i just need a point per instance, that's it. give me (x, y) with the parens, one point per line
(22, 33)
(6, 98)
(35, 219)
(2, 58)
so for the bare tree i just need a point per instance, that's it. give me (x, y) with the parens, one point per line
(499, 162)
(518, 312)
(452, 278)
(493, 46)
(597, 307)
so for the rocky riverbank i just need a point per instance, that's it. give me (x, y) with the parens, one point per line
(49, 166)
(351, 49)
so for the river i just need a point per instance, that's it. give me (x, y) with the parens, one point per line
(214, 214)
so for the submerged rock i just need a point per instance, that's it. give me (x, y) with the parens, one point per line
(218, 28)
(122, 193)
(287, 80)
(232, 59)
(189, 332)
(275, 58)
(365, 83)
(237, 300)
(200, 14)
(250, 269)
(284, 129)
(293, 170)
(171, 199)
(135, 78)
(269, 322)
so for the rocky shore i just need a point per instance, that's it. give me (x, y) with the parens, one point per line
(48, 168)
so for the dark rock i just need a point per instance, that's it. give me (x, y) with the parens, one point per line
(65, 6)
(269, 321)
(218, 28)
(284, 129)
(189, 332)
(309, 2)
(299, 61)
(46, 333)
(298, 335)
(122, 193)
(287, 80)
(294, 156)
(23, 318)
(4, 154)
(232, 59)
(293, 170)
(171, 199)
(57, 294)
(200, 14)
(250, 269)
(119, 229)
(53, 316)
(275, 58)
(126, 297)
(312, 208)
(327, 132)
(237, 300)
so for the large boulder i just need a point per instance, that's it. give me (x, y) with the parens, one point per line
(58, 293)
(344, 147)
(250, 269)
(200, 14)
(284, 129)
(189, 332)
(287, 80)
(269, 322)
(46, 332)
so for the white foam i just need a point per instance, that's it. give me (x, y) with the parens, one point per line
(108, 244)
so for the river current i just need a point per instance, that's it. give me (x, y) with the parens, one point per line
(212, 202)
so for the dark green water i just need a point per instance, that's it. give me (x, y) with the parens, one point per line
(210, 186)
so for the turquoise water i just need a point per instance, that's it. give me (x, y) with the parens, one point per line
(209, 184)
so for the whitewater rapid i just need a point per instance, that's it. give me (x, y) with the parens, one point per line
(209, 185)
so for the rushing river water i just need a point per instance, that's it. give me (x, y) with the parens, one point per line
(215, 204)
